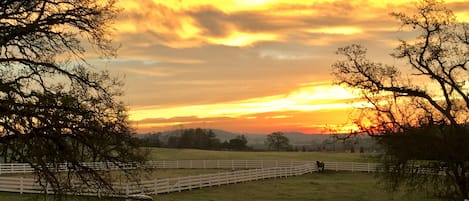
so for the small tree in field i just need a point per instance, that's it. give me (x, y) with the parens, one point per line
(53, 108)
(419, 112)
(277, 141)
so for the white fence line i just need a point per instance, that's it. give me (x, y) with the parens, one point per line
(9, 168)
(351, 166)
(250, 170)
(158, 186)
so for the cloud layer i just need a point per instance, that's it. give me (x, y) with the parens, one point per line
(218, 55)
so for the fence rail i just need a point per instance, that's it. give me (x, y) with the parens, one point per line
(11, 168)
(241, 171)
(158, 186)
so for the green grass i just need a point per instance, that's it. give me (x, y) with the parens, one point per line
(195, 154)
(328, 186)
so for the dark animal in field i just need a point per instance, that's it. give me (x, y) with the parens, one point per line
(320, 166)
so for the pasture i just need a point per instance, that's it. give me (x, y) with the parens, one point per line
(321, 187)
(330, 185)
(195, 154)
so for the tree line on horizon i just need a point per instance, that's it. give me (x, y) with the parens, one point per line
(198, 138)
(195, 138)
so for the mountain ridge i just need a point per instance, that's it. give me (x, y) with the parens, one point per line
(296, 138)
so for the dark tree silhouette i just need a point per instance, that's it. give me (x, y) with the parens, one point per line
(278, 141)
(419, 111)
(53, 108)
(238, 143)
(198, 138)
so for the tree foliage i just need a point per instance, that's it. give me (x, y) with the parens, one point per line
(195, 138)
(53, 108)
(238, 143)
(278, 141)
(419, 111)
(198, 138)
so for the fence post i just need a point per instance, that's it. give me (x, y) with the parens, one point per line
(353, 166)
(127, 188)
(336, 166)
(200, 181)
(179, 184)
(368, 167)
(21, 185)
(156, 186)
(177, 164)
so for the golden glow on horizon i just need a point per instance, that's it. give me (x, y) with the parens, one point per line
(308, 98)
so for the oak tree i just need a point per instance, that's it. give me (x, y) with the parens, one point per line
(54, 108)
(418, 111)
(278, 141)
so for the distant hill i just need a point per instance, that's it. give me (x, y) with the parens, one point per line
(296, 138)
(221, 134)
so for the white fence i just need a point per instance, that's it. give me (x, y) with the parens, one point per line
(250, 170)
(157, 186)
(351, 166)
(13, 168)
(8, 168)
(214, 179)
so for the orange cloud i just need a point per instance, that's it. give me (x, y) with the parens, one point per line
(303, 121)
(306, 98)
(181, 24)
(240, 64)
(285, 111)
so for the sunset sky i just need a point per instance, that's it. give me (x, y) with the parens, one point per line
(247, 66)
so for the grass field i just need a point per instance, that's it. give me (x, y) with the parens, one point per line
(328, 186)
(321, 187)
(194, 154)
